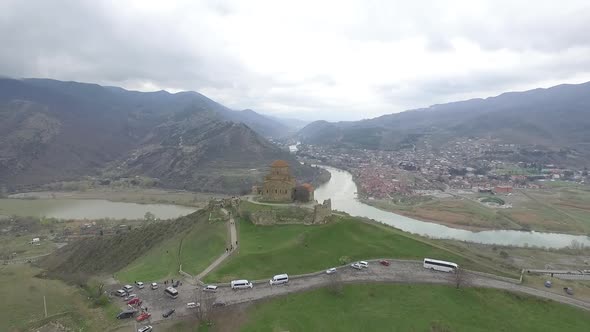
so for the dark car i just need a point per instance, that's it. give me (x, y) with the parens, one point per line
(218, 304)
(126, 314)
(168, 313)
(384, 263)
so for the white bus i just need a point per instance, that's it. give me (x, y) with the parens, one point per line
(279, 279)
(434, 264)
(171, 291)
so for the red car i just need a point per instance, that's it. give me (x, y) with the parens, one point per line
(384, 263)
(143, 316)
(133, 301)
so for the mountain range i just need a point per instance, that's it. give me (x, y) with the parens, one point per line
(553, 119)
(55, 131)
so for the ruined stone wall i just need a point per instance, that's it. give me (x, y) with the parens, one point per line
(321, 212)
(218, 203)
(290, 215)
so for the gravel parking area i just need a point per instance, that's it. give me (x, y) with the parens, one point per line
(399, 271)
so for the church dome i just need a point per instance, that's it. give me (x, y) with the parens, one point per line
(279, 163)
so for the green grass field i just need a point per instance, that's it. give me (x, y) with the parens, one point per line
(22, 302)
(160, 262)
(202, 246)
(195, 250)
(391, 307)
(295, 249)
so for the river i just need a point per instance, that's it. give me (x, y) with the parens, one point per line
(89, 209)
(342, 190)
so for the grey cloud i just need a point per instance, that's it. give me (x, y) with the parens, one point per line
(82, 40)
(422, 93)
(94, 41)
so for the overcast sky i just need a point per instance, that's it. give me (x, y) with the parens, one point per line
(334, 60)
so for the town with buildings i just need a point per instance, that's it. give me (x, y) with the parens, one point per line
(476, 165)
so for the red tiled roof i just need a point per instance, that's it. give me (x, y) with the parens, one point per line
(279, 163)
(308, 186)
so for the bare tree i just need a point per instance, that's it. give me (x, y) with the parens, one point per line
(205, 302)
(461, 278)
(99, 289)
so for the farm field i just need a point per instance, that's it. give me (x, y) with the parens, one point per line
(130, 195)
(561, 209)
(22, 304)
(394, 307)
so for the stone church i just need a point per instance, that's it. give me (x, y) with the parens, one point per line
(279, 185)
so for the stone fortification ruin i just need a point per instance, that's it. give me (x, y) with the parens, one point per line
(281, 187)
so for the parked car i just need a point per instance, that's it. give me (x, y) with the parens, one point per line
(143, 316)
(130, 297)
(168, 313)
(126, 314)
(331, 270)
(134, 301)
(218, 304)
(384, 263)
(146, 328)
(569, 290)
(192, 305)
(128, 288)
(121, 293)
(548, 284)
(176, 283)
(363, 264)
(154, 285)
(356, 266)
(139, 284)
(210, 288)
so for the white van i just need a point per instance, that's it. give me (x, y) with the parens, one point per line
(279, 279)
(240, 284)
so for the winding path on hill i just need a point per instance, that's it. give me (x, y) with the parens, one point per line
(233, 237)
(400, 271)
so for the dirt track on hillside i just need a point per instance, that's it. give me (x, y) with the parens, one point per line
(399, 272)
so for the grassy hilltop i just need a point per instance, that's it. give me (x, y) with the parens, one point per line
(393, 307)
(296, 249)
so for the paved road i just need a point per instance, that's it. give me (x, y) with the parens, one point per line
(563, 274)
(234, 245)
(399, 272)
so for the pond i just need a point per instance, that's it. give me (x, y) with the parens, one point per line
(89, 209)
